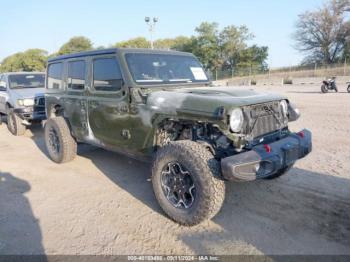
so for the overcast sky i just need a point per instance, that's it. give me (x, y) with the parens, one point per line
(48, 24)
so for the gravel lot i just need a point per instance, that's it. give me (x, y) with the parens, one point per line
(102, 203)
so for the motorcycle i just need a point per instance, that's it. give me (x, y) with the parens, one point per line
(348, 87)
(329, 84)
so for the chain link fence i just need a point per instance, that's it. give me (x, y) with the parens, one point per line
(316, 70)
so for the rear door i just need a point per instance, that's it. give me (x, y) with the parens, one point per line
(108, 105)
(76, 96)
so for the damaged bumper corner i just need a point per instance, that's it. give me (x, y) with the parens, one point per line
(266, 160)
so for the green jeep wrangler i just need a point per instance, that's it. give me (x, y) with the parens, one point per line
(160, 106)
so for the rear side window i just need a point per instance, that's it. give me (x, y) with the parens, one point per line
(107, 75)
(76, 75)
(55, 76)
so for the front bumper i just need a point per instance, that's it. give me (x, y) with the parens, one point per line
(31, 113)
(266, 160)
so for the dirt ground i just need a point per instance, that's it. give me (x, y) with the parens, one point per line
(102, 203)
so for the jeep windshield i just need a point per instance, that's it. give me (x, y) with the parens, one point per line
(153, 69)
(20, 81)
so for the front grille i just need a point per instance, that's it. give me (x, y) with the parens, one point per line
(264, 119)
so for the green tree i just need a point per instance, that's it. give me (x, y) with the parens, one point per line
(138, 42)
(206, 45)
(76, 44)
(233, 41)
(254, 57)
(30, 60)
(180, 43)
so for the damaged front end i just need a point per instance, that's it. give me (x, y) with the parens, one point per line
(267, 146)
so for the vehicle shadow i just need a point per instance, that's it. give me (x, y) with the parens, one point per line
(132, 175)
(20, 232)
(36, 133)
(302, 212)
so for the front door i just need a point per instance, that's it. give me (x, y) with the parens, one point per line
(108, 105)
(3, 94)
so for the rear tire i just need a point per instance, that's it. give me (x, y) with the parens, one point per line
(14, 124)
(324, 89)
(190, 163)
(60, 144)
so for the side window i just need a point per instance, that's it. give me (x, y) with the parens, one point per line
(2, 83)
(107, 75)
(76, 75)
(55, 76)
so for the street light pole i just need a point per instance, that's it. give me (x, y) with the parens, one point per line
(151, 24)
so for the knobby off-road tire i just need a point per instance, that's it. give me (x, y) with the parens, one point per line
(14, 124)
(324, 89)
(204, 170)
(280, 173)
(60, 144)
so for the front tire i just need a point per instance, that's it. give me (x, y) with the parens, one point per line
(324, 89)
(186, 182)
(14, 124)
(60, 144)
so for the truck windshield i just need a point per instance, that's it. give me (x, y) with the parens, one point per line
(26, 81)
(152, 69)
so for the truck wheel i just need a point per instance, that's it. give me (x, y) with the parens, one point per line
(324, 89)
(186, 182)
(60, 144)
(348, 89)
(280, 173)
(14, 124)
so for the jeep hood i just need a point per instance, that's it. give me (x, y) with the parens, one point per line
(206, 100)
(27, 92)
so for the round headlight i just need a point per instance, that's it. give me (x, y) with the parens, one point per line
(284, 106)
(236, 120)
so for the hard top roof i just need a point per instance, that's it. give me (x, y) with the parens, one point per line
(115, 50)
(22, 73)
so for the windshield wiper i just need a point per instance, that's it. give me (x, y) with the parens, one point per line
(150, 80)
(180, 80)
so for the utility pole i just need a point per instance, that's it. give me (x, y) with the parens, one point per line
(315, 69)
(151, 24)
(345, 67)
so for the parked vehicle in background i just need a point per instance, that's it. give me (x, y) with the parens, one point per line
(159, 106)
(329, 84)
(22, 99)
